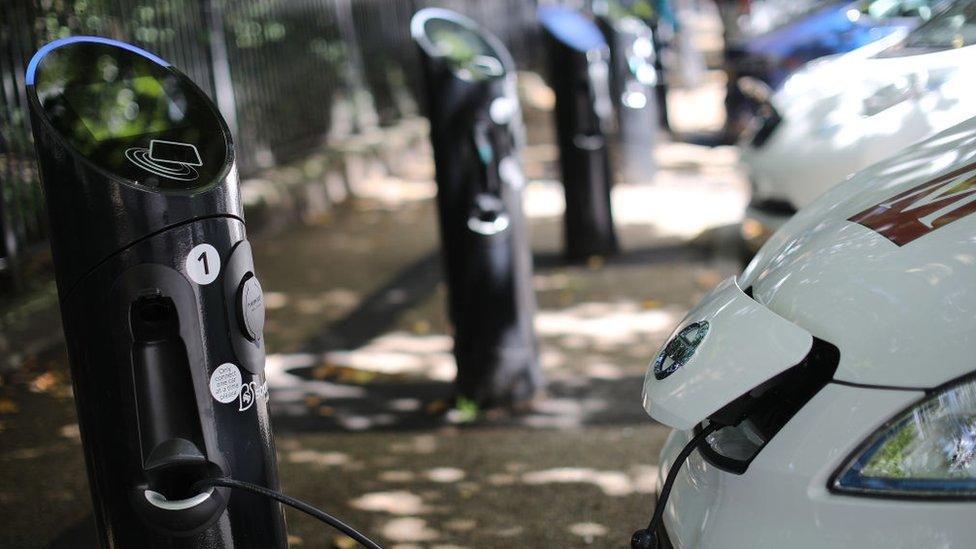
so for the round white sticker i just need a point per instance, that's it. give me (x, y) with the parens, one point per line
(225, 383)
(203, 264)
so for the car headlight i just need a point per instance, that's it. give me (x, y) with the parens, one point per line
(928, 450)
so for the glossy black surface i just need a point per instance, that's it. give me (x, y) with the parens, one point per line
(583, 112)
(104, 348)
(488, 264)
(132, 117)
(145, 332)
(94, 212)
(632, 81)
(465, 51)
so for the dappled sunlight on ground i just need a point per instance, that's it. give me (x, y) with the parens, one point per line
(407, 507)
(589, 531)
(612, 483)
(409, 529)
(384, 192)
(598, 326)
(698, 109)
(480, 488)
(679, 208)
(694, 196)
(317, 458)
(394, 503)
(603, 325)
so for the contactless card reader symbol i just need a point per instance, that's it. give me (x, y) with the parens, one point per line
(170, 159)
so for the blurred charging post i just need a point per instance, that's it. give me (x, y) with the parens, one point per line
(580, 76)
(476, 131)
(632, 81)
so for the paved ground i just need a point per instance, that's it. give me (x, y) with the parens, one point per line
(360, 371)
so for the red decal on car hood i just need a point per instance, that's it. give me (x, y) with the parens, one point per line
(923, 208)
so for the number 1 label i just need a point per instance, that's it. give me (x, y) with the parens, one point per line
(203, 264)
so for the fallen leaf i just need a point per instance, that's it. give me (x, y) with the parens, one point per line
(44, 382)
(436, 407)
(650, 303)
(326, 411)
(421, 327)
(8, 406)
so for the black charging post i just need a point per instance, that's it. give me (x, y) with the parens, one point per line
(580, 76)
(476, 131)
(162, 312)
(632, 85)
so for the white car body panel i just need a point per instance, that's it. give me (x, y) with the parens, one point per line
(782, 499)
(891, 283)
(825, 134)
(692, 393)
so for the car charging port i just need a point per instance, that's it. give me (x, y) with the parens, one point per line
(733, 436)
(752, 420)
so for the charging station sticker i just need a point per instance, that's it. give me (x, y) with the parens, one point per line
(250, 392)
(225, 383)
(203, 264)
(247, 397)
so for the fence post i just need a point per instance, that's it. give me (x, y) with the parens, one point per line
(213, 14)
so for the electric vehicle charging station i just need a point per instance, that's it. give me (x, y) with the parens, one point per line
(477, 132)
(162, 312)
(632, 85)
(580, 76)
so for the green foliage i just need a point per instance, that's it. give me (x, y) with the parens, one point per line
(889, 460)
(467, 410)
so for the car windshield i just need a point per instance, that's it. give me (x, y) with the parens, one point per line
(953, 28)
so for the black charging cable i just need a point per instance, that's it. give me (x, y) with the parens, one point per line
(291, 502)
(647, 538)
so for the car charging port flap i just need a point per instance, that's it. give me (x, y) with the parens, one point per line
(751, 421)
(746, 344)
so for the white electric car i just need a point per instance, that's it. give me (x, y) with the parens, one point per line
(844, 113)
(832, 385)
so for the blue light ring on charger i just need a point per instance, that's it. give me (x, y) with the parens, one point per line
(51, 46)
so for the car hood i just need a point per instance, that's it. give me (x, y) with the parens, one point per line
(884, 266)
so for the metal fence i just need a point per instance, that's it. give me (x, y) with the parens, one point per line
(291, 76)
